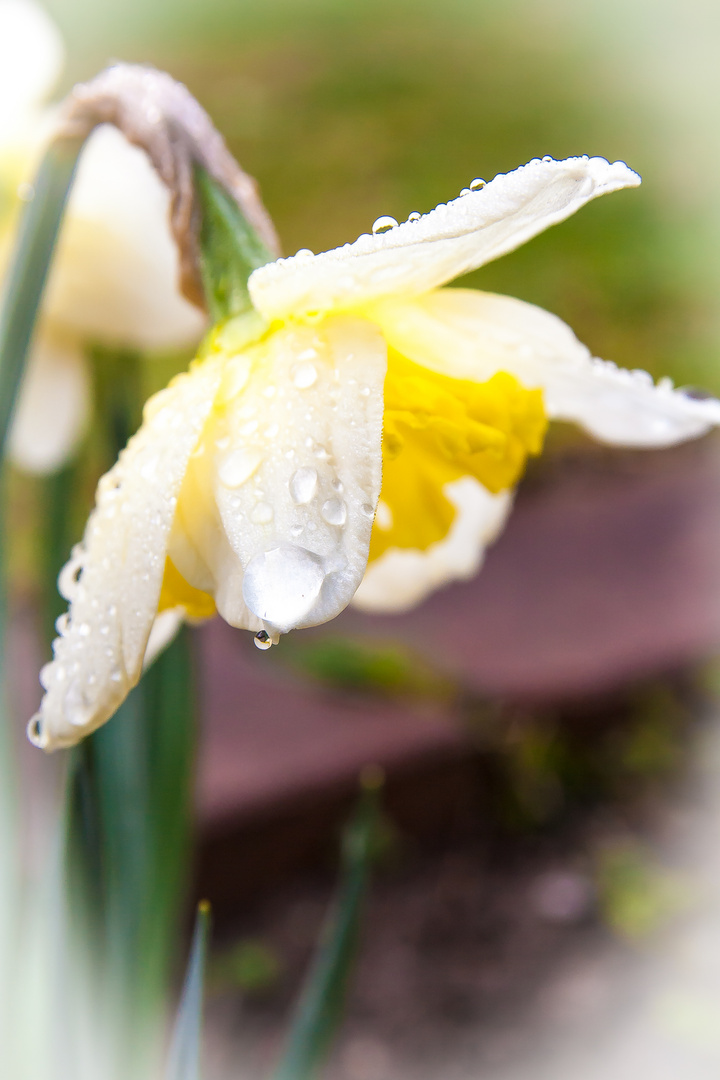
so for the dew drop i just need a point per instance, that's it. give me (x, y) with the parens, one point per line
(238, 467)
(84, 629)
(334, 511)
(262, 514)
(296, 531)
(368, 510)
(547, 158)
(116, 674)
(304, 253)
(414, 216)
(35, 731)
(281, 586)
(465, 191)
(62, 623)
(304, 375)
(337, 485)
(303, 485)
(383, 224)
(263, 640)
(477, 183)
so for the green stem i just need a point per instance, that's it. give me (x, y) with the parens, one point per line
(321, 1003)
(27, 273)
(230, 250)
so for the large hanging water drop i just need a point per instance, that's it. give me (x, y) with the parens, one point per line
(281, 586)
(477, 183)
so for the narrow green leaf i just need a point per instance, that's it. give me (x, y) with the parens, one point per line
(184, 1055)
(230, 250)
(321, 1002)
(27, 273)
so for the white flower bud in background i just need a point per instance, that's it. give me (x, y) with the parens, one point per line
(114, 277)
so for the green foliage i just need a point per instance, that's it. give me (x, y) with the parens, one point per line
(251, 966)
(184, 1053)
(27, 274)
(639, 896)
(230, 250)
(370, 667)
(321, 1002)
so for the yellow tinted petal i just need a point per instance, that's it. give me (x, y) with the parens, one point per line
(276, 510)
(438, 429)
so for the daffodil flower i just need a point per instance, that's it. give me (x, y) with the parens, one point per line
(115, 273)
(359, 435)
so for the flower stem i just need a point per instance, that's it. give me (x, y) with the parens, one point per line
(27, 274)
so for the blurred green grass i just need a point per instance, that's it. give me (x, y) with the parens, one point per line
(348, 112)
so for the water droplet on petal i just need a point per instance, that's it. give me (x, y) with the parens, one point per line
(84, 629)
(62, 623)
(263, 640)
(547, 158)
(304, 375)
(477, 183)
(465, 191)
(303, 485)
(334, 511)
(368, 510)
(281, 586)
(35, 731)
(304, 253)
(383, 224)
(262, 514)
(238, 467)
(414, 216)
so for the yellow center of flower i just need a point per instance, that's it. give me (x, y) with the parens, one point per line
(438, 429)
(177, 592)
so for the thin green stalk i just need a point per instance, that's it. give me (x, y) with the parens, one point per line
(320, 1007)
(184, 1055)
(28, 270)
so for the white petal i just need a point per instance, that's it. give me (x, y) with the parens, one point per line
(31, 58)
(115, 274)
(451, 240)
(53, 406)
(293, 469)
(164, 630)
(401, 578)
(471, 335)
(98, 657)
